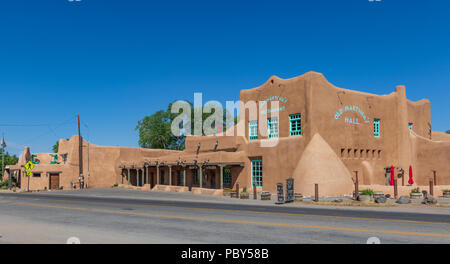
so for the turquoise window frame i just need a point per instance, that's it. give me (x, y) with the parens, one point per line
(272, 127)
(256, 173)
(295, 124)
(253, 130)
(410, 125)
(376, 127)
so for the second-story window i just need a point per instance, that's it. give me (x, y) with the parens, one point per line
(253, 130)
(295, 128)
(272, 127)
(376, 128)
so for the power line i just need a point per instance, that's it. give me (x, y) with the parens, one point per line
(68, 121)
(22, 125)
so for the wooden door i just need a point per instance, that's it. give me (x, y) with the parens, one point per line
(54, 181)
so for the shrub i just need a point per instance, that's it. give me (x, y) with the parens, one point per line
(446, 191)
(366, 192)
(4, 183)
(415, 190)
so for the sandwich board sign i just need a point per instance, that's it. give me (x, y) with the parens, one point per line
(280, 198)
(29, 167)
(289, 190)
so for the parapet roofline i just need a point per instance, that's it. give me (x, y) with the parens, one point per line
(316, 75)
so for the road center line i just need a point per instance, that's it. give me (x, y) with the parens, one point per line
(392, 232)
(259, 212)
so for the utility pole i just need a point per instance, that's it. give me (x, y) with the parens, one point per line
(88, 142)
(3, 144)
(80, 178)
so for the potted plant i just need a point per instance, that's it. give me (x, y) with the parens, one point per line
(365, 195)
(244, 194)
(265, 195)
(227, 191)
(446, 193)
(415, 193)
(232, 193)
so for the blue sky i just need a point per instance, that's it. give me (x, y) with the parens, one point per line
(115, 61)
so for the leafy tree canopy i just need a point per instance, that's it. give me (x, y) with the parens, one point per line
(155, 130)
(9, 160)
(55, 147)
(448, 131)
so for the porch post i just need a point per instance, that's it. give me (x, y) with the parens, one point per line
(137, 176)
(184, 176)
(170, 174)
(146, 174)
(200, 175)
(157, 174)
(221, 176)
(128, 176)
(122, 175)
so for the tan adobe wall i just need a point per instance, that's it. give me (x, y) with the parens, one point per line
(440, 136)
(429, 156)
(420, 115)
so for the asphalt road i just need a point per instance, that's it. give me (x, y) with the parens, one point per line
(99, 216)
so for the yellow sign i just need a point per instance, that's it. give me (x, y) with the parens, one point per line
(29, 166)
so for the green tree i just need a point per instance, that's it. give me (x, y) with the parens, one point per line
(55, 147)
(9, 160)
(155, 130)
(448, 131)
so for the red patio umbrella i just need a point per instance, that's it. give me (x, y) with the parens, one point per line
(410, 181)
(392, 176)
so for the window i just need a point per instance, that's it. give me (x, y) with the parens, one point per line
(410, 125)
(37, 174)
(253, 130)
(257, 173)
(272, 127)
(227, 177)
(376, 127)
(195, 173)
(295, 128)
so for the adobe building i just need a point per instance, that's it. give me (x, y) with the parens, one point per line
(324, 135)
